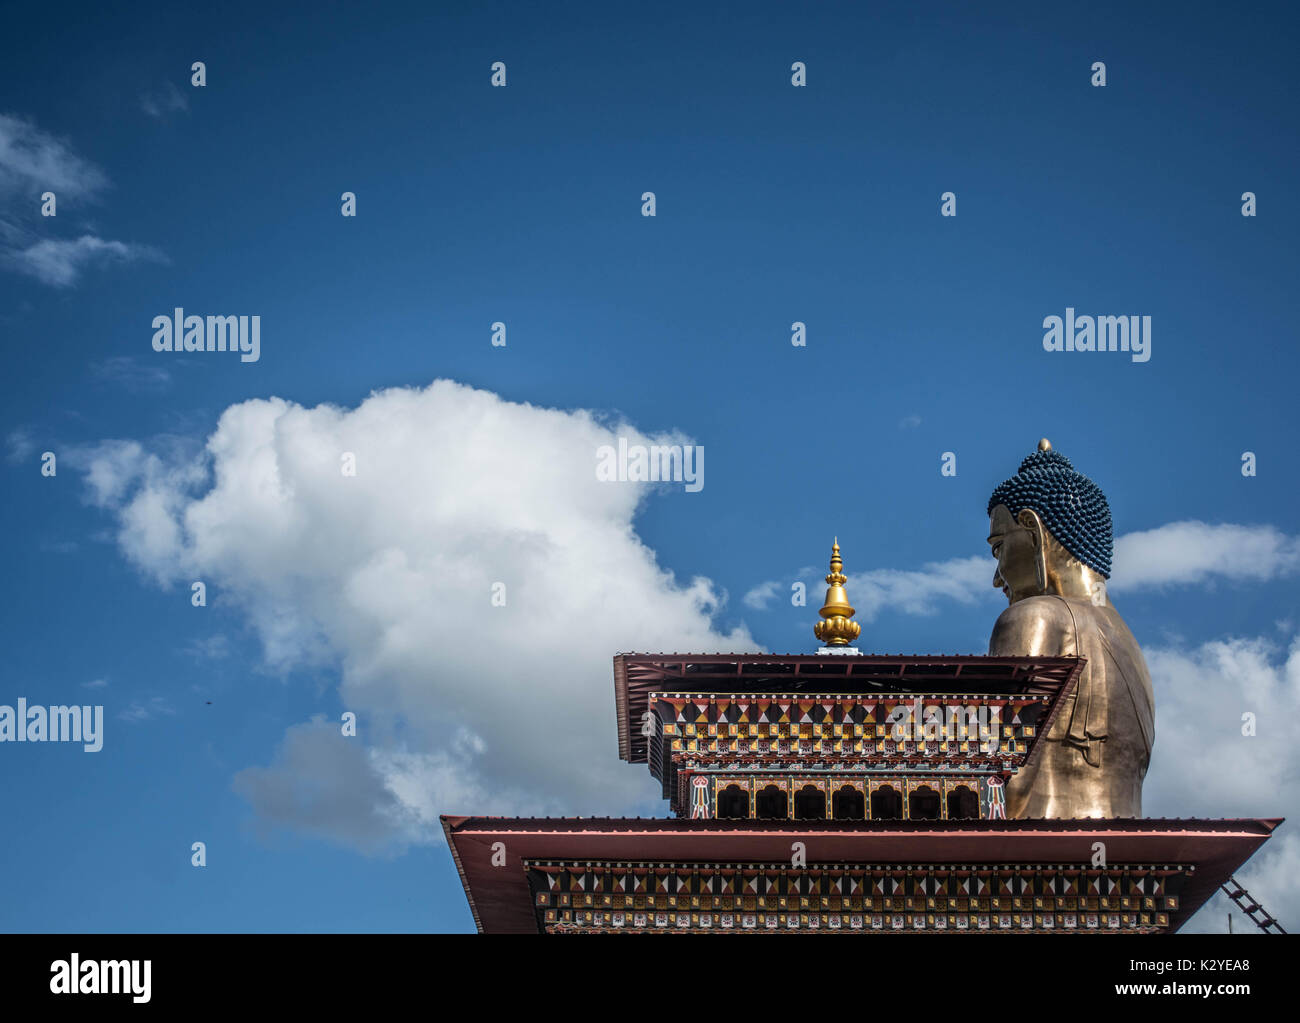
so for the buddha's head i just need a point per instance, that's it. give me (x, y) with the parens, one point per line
(1050, 530)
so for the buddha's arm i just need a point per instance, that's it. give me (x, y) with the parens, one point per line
(1045, 626)
(1033, 627)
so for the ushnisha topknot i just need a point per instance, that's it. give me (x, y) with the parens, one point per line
(1072, 507)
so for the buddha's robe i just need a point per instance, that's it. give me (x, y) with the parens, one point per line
(1095, 755)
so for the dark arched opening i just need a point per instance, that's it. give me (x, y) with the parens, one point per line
(733, 801)
(810, 803)
(963, 804)
(772, 803)
(923, 804)
(886, 804)
(849, 804)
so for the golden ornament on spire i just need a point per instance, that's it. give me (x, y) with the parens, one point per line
(835, 629)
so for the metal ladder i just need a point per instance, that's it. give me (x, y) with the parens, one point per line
(1250, 907)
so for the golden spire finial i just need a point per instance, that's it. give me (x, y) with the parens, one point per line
(835, 629)
(1044, 445)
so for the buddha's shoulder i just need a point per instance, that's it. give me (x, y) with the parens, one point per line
(1047, 608)
(1043, 626)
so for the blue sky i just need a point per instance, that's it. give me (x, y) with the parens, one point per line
(522, 205)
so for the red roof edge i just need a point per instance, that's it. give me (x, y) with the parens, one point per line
(620, 708)
(449, 825)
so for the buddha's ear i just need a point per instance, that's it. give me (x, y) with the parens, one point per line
(1031, 520)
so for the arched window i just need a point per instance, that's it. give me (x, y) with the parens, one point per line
(772, 803)
(963, 804)
(733, 801)
(810, 803)
(923, 804)
(849, 804)
(886, 804)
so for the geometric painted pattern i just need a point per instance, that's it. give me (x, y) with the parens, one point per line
(593, 896)
(971, 735)
(938, 724)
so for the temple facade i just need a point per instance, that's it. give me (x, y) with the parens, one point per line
(841, 792)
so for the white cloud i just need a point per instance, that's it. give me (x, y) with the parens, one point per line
(321, 783)
(909, 591)
(325, 784)
(146, 710)
(33, 161)
(112, 468)
(132, 374)
(18, 446)
(209, 648)
(1179, 553)
(759, 596)
(95, 683)
(58, 262)
(1269, 877)
(1202, 765)
(1196, 552)
(919, 591)
(165, 101)
(909, 422)
(389, 576)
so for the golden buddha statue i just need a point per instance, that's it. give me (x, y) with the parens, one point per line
(1050, 531)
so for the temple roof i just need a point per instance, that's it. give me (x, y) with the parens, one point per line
(501, 902)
